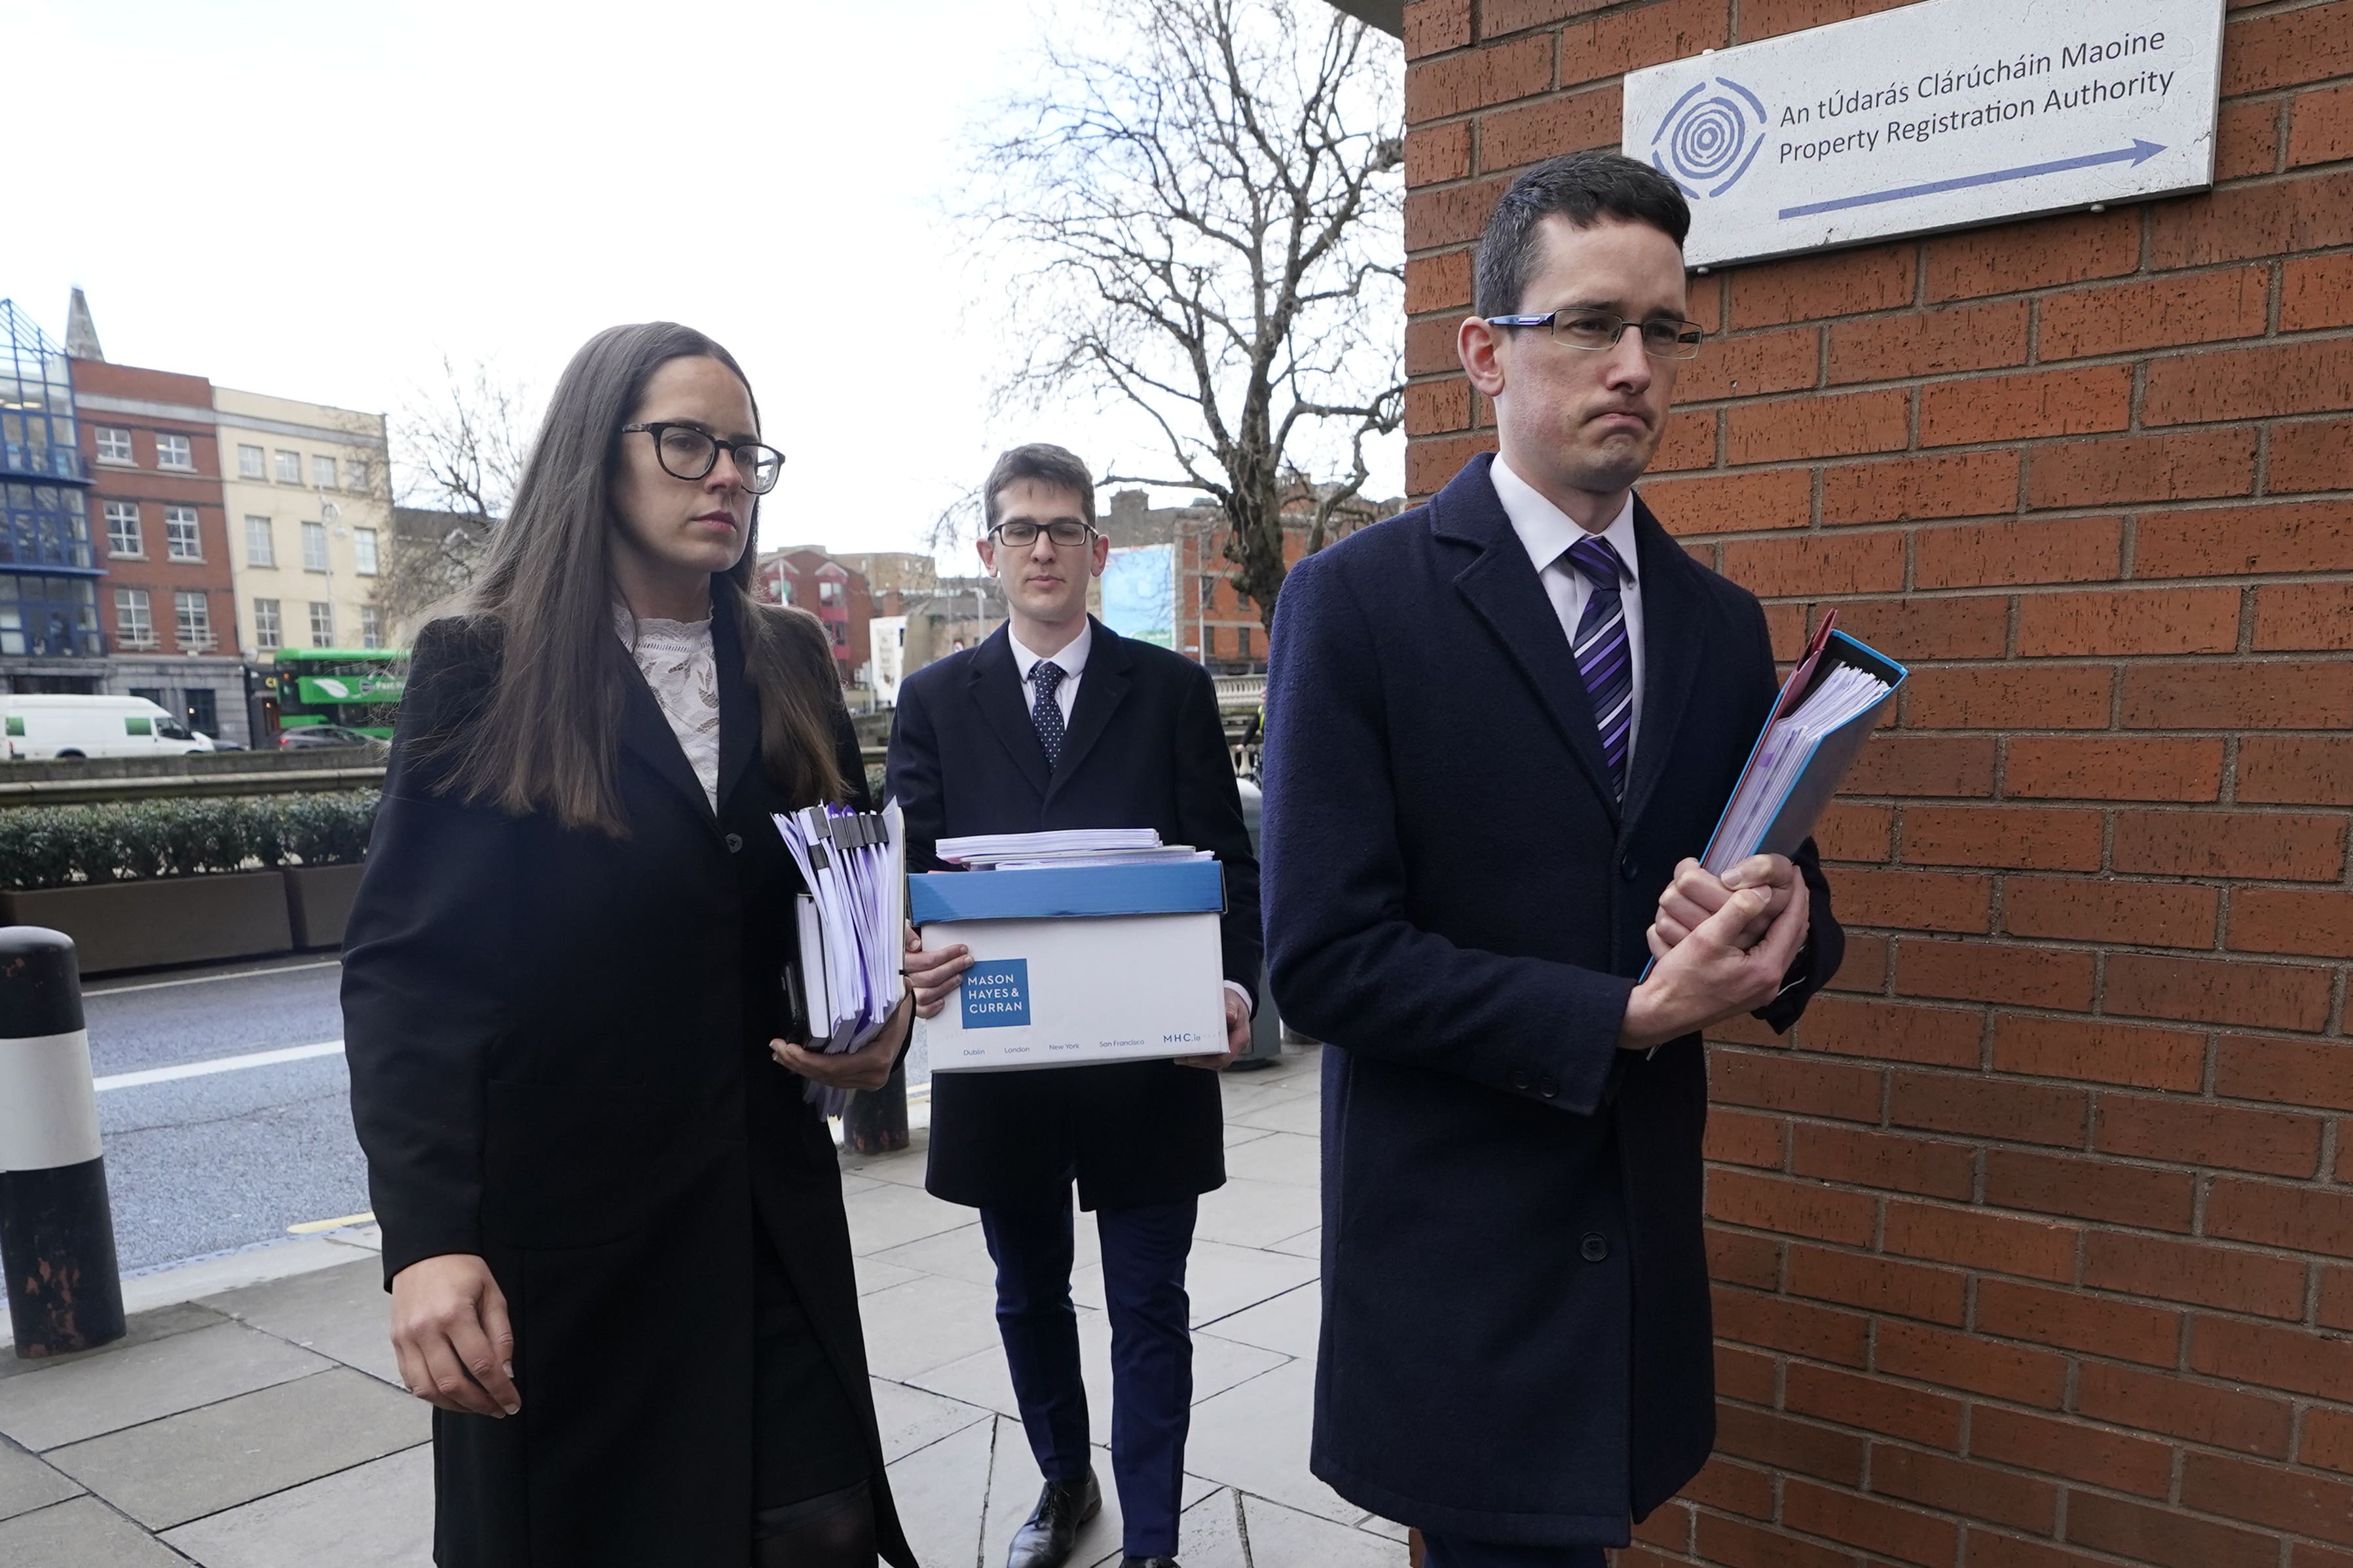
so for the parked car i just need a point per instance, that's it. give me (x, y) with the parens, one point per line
(40, 725)
(323, 735)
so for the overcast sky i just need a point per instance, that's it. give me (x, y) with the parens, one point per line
(322, 201)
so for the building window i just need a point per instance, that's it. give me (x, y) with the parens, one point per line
(123, 536)
(314, 547)
(371, 627)
(203, 709)
(194, 615)
(180, 542)
(133, 623)
(322, 625)
(290, 468)
(355, 476)
(267, 631)
(1245, 637)
(113, 446)
(828, 592)
(173, 452)
(260, 543)
(840, 632)
(322, 473)
(56, 617)
(364, 550)
(248, 463)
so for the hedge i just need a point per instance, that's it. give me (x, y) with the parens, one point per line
(58, 846)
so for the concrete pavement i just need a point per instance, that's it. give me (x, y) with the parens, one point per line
(263, 1426)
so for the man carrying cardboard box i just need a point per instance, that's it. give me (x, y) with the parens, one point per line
(1055, 721)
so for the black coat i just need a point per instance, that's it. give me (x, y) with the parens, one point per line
(558, 1055)
(1144, 748)
(1515, 1341)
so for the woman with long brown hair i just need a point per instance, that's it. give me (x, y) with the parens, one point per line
(613, 1226)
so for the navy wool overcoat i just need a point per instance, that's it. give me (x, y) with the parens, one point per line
(1516, 1339)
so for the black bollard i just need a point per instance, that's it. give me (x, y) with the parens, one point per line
(56, 1228)
(876, 1123)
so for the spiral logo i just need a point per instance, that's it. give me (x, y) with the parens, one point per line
(1710, 137)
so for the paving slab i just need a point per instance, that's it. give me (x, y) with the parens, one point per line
(890, 1214)
(1219, 1279)
(875, 1275)
(1289, 1157)
(927, 1322)
(1249, 1212)
(905, 1168)
(377, 1515)
(942, 1492)
(1279, 1535)
(982, 1378)
(1015, 1482)
(1254, 1437)
(1236, 1133)
(911, 1418)
(342, 1312)
(1209, 1535)
(138, 1328)
(26, 1484)
(1300, 1114)
(1308, 1243)
(1289, 1323)
(962, 1252)
(109, 1390)
(82, 1534)
(202, 1461)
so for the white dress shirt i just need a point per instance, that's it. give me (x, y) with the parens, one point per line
(1073, 662)
(1545, 533)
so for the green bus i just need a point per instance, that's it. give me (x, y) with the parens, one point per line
(354, 687)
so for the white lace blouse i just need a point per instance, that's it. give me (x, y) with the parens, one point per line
(676, 659)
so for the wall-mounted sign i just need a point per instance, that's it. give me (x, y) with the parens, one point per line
(1935, 115)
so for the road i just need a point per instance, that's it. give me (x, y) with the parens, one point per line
(211, 1163)
(238, 1150)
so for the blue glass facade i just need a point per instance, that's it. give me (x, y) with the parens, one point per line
(48, 578)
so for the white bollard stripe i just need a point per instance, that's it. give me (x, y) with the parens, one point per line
(49, 1115)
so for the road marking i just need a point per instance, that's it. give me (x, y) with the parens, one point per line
(316, 1226)
(209, 979)
(218, 1064)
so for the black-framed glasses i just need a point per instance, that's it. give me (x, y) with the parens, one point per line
(688, 453)
(1063, 532)
(1663, 337)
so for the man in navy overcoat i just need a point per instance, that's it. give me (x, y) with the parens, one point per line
(1499, 726)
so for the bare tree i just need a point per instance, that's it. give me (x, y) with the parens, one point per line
(1206, 225)
(460, 448)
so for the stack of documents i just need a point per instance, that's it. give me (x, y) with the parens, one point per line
(981, 849)
(1825, 714)
(848, 976)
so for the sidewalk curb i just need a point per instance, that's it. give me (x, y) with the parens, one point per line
(201, 1276)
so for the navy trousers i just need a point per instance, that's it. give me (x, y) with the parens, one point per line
(1453, 1551)
(1143, 1252)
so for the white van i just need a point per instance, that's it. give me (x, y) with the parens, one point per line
(40, 725)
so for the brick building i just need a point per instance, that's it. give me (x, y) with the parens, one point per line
(2034, 1242)
(833, 593)
(166, 602)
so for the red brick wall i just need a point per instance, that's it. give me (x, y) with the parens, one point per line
(151, 490)
(2034, 1243)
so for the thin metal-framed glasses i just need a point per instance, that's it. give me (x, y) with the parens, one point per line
(1663, 337)
(688, 453)
(1063, 532)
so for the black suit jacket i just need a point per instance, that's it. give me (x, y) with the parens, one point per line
(1144, 748)
(1516, 1339)
(558, 1049)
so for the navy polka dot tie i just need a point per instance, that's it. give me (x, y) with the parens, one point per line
(1046, 713)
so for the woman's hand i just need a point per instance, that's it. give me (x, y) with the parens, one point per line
(451, 1337)
(934, 975)
(867, 1067)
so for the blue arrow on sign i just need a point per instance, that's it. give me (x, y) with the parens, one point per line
(2139, 152)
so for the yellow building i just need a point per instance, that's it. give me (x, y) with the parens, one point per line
(309, 499)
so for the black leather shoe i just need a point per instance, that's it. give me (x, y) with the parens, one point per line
(1045, 1540)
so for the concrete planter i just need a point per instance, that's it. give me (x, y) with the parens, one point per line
(318, 901)
(169, 920)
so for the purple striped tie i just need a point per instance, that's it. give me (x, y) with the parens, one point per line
(1603, 655)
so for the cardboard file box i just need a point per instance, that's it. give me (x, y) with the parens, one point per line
(1074, 965)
